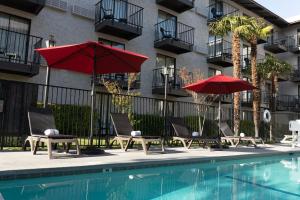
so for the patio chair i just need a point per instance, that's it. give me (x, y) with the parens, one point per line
(183, 134)
(289, 139)
(41, 119)
(235, 140)
(123, 129)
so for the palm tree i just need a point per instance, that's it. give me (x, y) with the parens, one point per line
(272, 68)
(256, 29)
(233, 25)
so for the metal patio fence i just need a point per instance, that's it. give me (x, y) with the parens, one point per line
(71, 108)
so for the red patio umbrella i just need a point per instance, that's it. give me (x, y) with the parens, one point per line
(92, 58)
(220, 84)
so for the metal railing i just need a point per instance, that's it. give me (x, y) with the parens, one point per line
(286, 42)
(71, 108)
(219, 48)
(246, 61)
(220, 9)
(119, 11)
(171, 29)
(122, 79)
(174, 80)
(295, 75)
(19, 48)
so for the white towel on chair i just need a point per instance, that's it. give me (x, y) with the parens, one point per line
(136, 133)
(195, 134)
(49, 132)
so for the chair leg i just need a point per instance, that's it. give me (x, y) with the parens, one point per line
(190, 143)
(144, 146)
(77, 147)
(183, 143)
(49, 145)
(35, 145)
(162, 145)
(127, 145)
(148, 145)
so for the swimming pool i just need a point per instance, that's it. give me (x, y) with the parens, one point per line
(275, 177)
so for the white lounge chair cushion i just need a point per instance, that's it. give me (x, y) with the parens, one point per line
(195, 134)
(136, 133)
(49, 132)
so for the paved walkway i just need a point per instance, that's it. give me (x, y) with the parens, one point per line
(21, 162)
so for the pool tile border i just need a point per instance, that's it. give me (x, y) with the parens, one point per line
(65, 171)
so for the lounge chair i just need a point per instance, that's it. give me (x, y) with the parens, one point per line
(289, 139)
(40, 120)
(123, 129)
(184, 134)
(235, 140)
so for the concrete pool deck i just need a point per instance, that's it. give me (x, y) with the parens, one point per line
(25, 165)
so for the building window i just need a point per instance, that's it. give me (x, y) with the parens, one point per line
(112, 43)
(163, 61)
(247, 95)
(213, 72)
(166, 61)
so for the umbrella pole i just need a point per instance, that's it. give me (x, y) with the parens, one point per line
(46, 92)
(219, 119)
(92, 102)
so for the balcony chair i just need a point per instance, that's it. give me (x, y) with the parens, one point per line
(123, 129)
(41, 119)
(228, 136)
(184, 134)
(166, 34)
(108, 14)
(216, 14)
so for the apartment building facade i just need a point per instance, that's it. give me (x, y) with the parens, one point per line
(172, 33)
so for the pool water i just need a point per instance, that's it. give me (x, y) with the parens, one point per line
(265, 178)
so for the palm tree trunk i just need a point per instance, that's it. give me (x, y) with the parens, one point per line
(236, 59)
(256, 93)
(273, 102)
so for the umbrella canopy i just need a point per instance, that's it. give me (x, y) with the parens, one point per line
(220, 84)
(89, 56)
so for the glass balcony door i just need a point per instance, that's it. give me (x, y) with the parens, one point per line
(14, 38)
(167, 25)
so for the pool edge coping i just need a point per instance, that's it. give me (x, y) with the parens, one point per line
(107, 168)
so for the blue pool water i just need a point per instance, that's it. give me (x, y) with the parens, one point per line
(268, 178)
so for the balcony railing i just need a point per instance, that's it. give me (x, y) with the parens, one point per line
(246, 62)
(295, 75)
(174, 83)
(219, 53)
(174, 36)
(220, 9)
(121, 79)
(279, 45)
(288, 103)
(177, 5)
(17, 54)
(119, 18)
(31, 6)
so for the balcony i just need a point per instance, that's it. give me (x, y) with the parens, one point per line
(174, 85)
(31, 6)
(295, 44)
(177, 5)
(246, 62)
(276, 46)
(17, 55)
(119, 18)
(121, 79)
(288, 103)
(295, 75)
(219, 9)
(219, 53)
(174, 37)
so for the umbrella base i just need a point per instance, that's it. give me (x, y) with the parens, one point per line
(92, 150)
